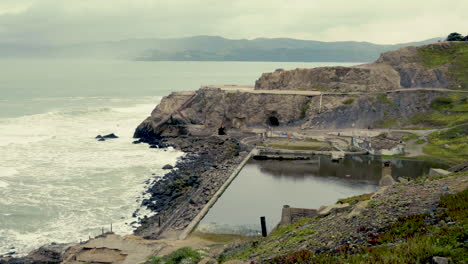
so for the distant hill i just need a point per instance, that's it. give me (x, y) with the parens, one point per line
(213, 48)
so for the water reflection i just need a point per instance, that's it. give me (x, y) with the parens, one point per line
(263, 187)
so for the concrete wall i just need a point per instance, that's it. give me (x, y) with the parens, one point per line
(291, 215)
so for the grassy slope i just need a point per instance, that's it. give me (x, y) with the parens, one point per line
(456, 56)
(450, 145)
(446, 111)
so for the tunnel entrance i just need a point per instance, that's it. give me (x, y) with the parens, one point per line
(221, 131)
(273, 121)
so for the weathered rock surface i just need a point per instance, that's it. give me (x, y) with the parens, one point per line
(215, 108)
(356, 79)
(402, 68)
(48, 254)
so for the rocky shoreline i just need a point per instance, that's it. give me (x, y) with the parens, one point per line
(180, 195)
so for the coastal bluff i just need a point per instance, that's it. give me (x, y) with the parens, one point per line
(409, 67)
(390, 92)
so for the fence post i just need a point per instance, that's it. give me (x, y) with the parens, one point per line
(263, 224)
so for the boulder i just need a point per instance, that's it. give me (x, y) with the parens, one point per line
(168, 167)
(326, 210)
(438, 172)
(439, 260)
(402, 180)
(49, 254)
(112, 135)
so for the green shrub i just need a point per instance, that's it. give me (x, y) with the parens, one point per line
(348, 101)
(441, 103)
(420, 141)
(184, 255)
(355, 199)
(410, 136)
(384, 99)
(304, 108)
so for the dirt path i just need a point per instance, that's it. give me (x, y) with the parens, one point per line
(413, 149)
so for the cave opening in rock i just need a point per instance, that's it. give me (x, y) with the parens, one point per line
(273, 121)
(221, 131)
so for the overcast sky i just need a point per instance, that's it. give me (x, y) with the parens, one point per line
(378, 21)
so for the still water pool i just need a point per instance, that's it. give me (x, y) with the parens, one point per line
(263, 187)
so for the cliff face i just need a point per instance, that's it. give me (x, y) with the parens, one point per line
(214, 108)
(438, 65)
(377, 102)
(358, 79)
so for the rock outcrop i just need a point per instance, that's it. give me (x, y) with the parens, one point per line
(213, 109)
(410, 67)
(355, 79)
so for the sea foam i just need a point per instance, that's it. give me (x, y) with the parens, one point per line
(62, 185)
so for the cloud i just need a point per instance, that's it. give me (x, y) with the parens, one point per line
(379, 21)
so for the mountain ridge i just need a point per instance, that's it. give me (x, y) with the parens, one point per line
(210, 48)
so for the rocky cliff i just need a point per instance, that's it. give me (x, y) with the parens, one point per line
(213, 109)
(379, 98)
(438, 65)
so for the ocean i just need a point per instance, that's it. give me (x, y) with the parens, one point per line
(57, 182)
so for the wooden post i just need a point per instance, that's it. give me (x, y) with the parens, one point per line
(159, 221)
(111, 227)
(263, 224)
(102, 229)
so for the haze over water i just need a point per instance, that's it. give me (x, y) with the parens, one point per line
(57, 183)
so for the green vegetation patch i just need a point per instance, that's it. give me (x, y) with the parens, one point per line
(304, 109)
(420, 141)
(386, 123)
(355, 199)
(452, 102)
(449, 145)
(384, 99)
(183, 255)
(456, 55)
(450, 110)
(348, 101)
(410, 136)
(296, 234)
(438, 119)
